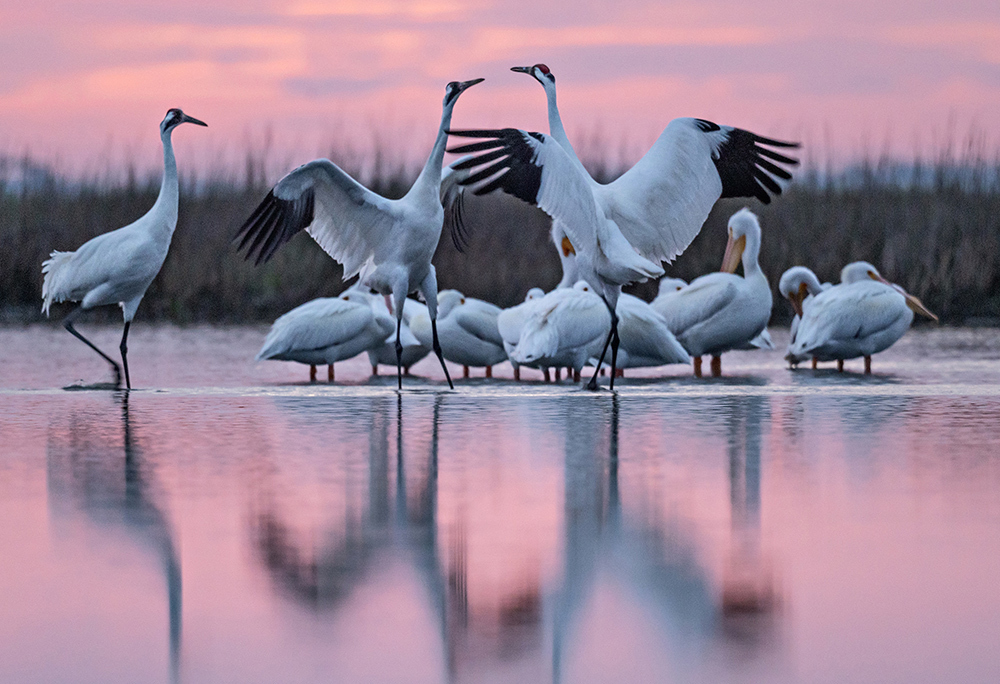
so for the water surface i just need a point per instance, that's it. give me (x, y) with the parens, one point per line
(229, 522)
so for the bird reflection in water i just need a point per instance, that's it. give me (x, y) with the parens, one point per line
(397, 519)
(650, 555)
(110, 484)
(749, 595)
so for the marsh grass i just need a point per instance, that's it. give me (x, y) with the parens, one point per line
(931, 226)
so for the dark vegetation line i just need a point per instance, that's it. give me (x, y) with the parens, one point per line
(932, 228)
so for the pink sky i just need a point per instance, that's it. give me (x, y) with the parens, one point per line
(87, 82)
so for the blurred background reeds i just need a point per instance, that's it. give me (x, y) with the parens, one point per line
(931, 224)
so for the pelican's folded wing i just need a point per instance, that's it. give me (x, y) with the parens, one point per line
(698, 302)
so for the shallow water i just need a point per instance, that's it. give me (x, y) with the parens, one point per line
(228, 521)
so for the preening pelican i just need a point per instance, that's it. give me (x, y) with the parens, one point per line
(799, 285)
(511, 321)
(645, 339)
(622, 231)
(118, 267)
(413, 349)
(388, 242)
(862, 316)
(328, 330)
(468, 331)
(722, 311)
(565, 329)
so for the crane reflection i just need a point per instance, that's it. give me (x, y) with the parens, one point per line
(109, 481)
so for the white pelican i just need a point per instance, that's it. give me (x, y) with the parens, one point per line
(511, 321)
(388, 242)
(328, 330)
(722, 311)
(645, 339)
(117, 267)
(622, 231)
(799, 285)
(413, 349)
(862, 316)
(564, 329)
(468, 331)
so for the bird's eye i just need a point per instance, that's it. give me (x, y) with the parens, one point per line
(462, 300)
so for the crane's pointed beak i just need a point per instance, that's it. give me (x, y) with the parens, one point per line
(465, 85)
(522, 70)
(191, 119)
(796, 298)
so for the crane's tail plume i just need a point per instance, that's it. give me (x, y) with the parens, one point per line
(54, 272)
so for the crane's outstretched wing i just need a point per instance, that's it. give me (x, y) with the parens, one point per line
(661, 203)
(535, 169)
(453, 201)
(350, 222)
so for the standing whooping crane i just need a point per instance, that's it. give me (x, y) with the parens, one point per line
(117, 267)
(622, 231)
(327, 330)
(862, 316)
(722, 311)
(388, 243)
(799, 285)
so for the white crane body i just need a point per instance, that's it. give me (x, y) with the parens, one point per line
(387, 243)
(118, 267)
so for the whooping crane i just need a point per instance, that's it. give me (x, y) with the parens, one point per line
(388, 243)
(117, 267)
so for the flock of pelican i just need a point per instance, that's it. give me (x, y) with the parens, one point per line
(607, 236)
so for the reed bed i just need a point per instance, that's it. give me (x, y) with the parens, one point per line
(934, 228)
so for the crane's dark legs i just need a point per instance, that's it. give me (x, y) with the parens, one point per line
(613, 342)
(437, 350)
(399, 348)
(124, 350)
(68, 324)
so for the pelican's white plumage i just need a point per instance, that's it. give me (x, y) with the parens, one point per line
(565, 329)
(722, 311)
(862, 316)
(467, 329)
(118, 267)
(799, 285)
(327, 330)
(622, 231)
(645, 339)
(511, 321)
(388, 243)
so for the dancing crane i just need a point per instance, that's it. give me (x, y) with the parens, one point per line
(622, 231)
(117, 267)
(387, 243)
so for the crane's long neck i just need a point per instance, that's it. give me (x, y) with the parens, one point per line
(166, 203)
(556, 129)
(429, 180)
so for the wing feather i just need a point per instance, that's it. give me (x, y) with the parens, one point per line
(350, 222)
(661, 203)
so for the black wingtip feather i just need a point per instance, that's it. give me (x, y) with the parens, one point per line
(273, 223)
